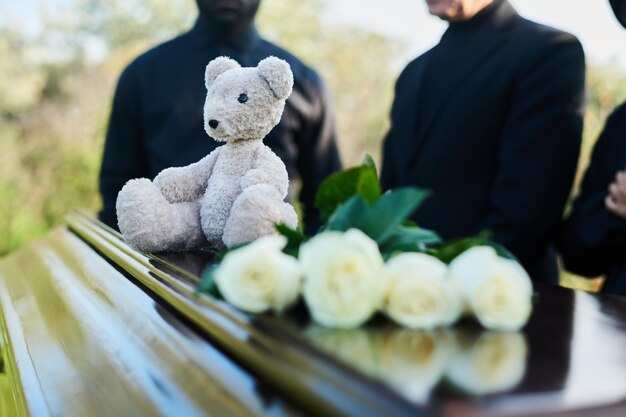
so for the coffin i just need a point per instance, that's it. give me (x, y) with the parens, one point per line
(92, 328)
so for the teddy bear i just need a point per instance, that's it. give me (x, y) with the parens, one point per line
(235, 194)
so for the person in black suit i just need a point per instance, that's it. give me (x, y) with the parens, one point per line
(490, 120)
(156, 118)
(593, 241)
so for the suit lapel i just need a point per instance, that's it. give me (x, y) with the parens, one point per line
(485, 42)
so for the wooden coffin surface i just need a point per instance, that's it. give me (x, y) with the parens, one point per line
(91, 327)
(83, 340)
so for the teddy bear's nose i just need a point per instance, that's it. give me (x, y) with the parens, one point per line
(213, 123)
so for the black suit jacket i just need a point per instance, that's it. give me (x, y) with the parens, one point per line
(490, 120)
(593, 241)
(157, 118)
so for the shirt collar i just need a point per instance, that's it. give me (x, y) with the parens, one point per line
(498, 14)
(207, 35)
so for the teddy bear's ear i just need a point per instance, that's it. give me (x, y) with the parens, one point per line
(216, 67)
(278, 75)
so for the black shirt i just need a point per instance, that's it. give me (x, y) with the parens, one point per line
(157, 116)
(490, 120)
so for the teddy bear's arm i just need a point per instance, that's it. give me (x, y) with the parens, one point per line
(267, 169)
(185, 184)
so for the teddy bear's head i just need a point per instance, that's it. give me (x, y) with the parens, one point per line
(245, 103)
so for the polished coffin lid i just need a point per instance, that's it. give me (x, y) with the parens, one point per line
(81, 339)
(92, 327)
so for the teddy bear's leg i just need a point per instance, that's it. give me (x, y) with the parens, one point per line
(150, 223)
(290, 217)
(254, 213)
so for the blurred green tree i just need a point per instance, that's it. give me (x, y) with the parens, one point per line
(56, 89)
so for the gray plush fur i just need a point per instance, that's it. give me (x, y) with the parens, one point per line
(233, 195)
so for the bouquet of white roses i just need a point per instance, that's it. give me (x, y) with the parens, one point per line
(369, 258)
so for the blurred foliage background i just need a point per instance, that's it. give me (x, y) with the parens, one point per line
(56, 86)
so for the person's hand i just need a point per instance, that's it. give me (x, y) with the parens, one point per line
(615, 201)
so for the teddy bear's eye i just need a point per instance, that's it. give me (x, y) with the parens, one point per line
(242, 98)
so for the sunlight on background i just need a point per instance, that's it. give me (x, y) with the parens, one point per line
(592, 22)
(408, 21)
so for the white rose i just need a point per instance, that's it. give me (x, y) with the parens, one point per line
(259, 277)
(497, 290)
(494, 362)
(420, 293)
(342, 283)
(356, 347)
(413, 361)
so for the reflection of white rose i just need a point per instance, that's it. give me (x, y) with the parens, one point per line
(352, 346)
(494, 362)
(420, 294)
(259, 277)
(413, 361)
(342, 283)
(498, 291)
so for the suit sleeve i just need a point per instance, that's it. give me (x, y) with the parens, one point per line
(539, 149)
(388, 178)
(318, 155)
(124, 153)
(593, 239)
(390, 174)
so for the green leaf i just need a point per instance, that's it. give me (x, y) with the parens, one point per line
(502, 251)
(393, 208)
(368, 161)
(454, 248)
(409, 239)
(207, 282)
(418, 234)
(348, 214)
(341, 186)
(295, 237)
